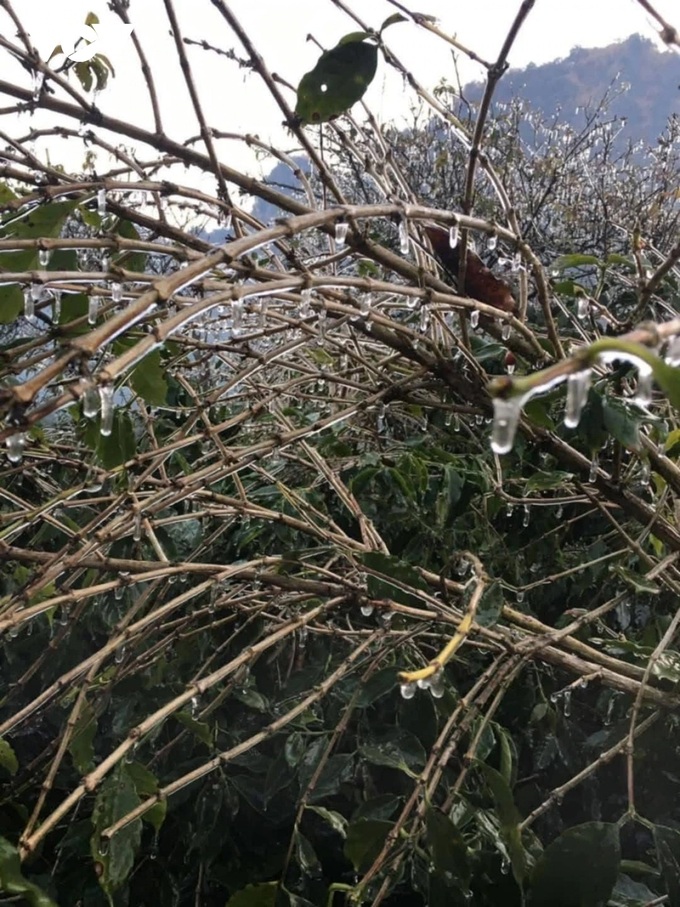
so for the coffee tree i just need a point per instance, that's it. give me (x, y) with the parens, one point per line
(339, 552)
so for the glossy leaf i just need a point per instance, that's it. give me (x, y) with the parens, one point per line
(8, 758)
(389, 566)
(263, 895)
(579, 869)
(81, 746)
(509, 821)
(116, 797)
(339, 79)
(667, 842)
(365, 840)
(12, 882)
(148, 379)
(447, 848)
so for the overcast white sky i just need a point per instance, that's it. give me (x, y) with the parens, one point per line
(279, 29)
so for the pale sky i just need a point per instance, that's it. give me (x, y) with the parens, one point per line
(237, 102)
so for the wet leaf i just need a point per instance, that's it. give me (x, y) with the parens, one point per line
(579, 869)
(13, 882)
(365, 840)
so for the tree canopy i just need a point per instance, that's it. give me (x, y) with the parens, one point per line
(339, 551)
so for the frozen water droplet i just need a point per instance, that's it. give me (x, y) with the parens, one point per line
(491, 243)
(645, 473)
(506, 415)
(365, 303)
(510, 368)
(367, 610)
(44, 256)
(93, 309)
(104, 846)
(423, 683)
(404, 243)
(38, 80)
(558, 512)
(594, 466)
(101, 202)
(29, 304)
(15, 447)
(91, 402)
(509, 507)
(474, 318)
(582, 307)
(424, 318)
(507, 330)
(567, 703)
(116, 292)
(453, 236)
(526, 516)
(137, 528)
(106, 403)
(105, 261)
(643, 393)
(578, 386)
(407, 690)
(437, 686)
(193, 706)
(56, 305)
(341, 229)
(520, 595)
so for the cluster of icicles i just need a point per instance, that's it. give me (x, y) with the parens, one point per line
(507, 410)
(96, 400)
(435, 684)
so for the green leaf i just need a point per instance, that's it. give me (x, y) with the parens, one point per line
(263, 895)
(146, 785)
(536, 410)
(389, 566)
(148, 380)
(114, 449)
(667, 842)
(576, 260)
(451, 489)
(396, 748)
(622, 422)
(591, 427)
(392, 20)
(117, 797)
(667, 666)
(377, 685)
(668, 379)
(200, 729)
(636, 580)
(447, 848)
(628, 893)
(548, 481)
(579, 869)
(12, 881)
(306, 855)
(335, 820)
(365, 839)
(339, 79)
(509, 820)
(490, 606)
(131, 261)
(11, 303)
(81, 746)
(8, 759)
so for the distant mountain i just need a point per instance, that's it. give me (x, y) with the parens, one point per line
(644, 83)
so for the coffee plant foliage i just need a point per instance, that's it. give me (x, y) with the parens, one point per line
(338, 546)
